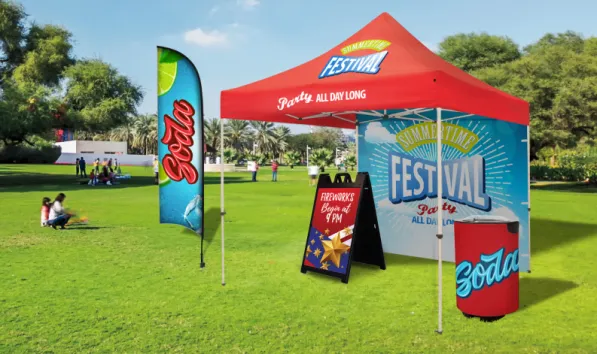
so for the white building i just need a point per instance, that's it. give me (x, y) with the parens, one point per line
(93, 147)
(103, 150)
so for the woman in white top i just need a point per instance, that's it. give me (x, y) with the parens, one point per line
(58, 216)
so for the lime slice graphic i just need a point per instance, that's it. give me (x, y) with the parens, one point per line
(166, 77)
(162, 176)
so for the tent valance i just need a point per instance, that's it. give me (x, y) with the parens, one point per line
(380, 67)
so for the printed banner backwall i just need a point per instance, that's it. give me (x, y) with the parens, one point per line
(485, 172)
(180, 143)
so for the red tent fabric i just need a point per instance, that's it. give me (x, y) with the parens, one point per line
(410, 76)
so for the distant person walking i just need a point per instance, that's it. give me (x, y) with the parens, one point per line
(77, 166)
(274, 171)
(83, 167)
(96, 166)
(254, 168)
(313, 172)
(110, 165)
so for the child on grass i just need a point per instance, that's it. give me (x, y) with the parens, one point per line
(45, 211)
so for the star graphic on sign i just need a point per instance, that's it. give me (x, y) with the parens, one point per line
(333, 250)
(327, 231)
(312, 242)
(321, 237)
(308, 251)
(347, 230)
(324, 266)
(317, 252)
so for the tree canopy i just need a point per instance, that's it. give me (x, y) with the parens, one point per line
(43, 86)
(557, 75)
(477, 51)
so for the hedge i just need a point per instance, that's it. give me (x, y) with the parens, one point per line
(29, 154)
(577, 173)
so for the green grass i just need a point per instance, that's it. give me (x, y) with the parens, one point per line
(128, 284)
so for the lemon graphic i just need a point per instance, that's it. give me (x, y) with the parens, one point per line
(162, 176)
(167, 68)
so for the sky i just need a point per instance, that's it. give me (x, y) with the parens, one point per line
(236, 42)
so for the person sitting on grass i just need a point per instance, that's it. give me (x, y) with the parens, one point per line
(105, 176)
(92, 178)
(58, 216)
(45, 211)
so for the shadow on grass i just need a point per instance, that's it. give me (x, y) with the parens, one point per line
(75, 227)
(574, 187)
(28, 182)
(396, 259)
(549, 234)
(211, 223)
(536, 290)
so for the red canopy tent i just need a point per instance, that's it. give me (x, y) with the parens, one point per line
(392, 70)
(409, 76)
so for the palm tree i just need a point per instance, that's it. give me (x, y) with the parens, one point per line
(322, 158)
(100, 136)
(124, 133)
(145, 132)
(351, 161)
(293, 158)
(237, 134)
(264, 136)
(281, 133)
(211, 132)
(152, 138)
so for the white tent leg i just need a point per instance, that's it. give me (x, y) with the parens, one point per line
(222, 210)
(440, 220)
(529, 190)
(356, 144)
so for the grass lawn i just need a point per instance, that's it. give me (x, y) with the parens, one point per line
(127, 284)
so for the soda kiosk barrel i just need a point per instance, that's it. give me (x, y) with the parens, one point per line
(486, 250)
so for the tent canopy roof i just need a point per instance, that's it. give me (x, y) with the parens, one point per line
(327, 92)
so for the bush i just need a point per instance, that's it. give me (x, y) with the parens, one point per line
(570, 169)
(29, 154)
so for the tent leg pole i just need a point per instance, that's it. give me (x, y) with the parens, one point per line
(440, 221)
(356, 144)
(529, 191)
(222, 210)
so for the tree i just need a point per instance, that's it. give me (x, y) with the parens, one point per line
(560, 84)
(35, 64)
(231, 155)
(292, 158)
(100, 96)
(264, 136)
(25, 110)
(211, 132)
(351, 161)
(125, 132)
(237, 134)
(47, 52)
(328, 138)
(299, 143)
(569, 40)
(146, 134)
(474, 51)
(281, 133)
(12, 35)
(321, 158)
